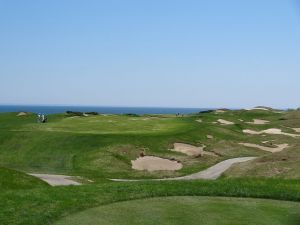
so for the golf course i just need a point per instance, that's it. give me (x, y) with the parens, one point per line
(213, 167)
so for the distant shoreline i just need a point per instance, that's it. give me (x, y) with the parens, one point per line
(99, 109)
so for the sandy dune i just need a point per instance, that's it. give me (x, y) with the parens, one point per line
(270, 131)
(279, 148)
(258, 122)
(56, 180)
(191, 150)
(152, 163)
(225, 122)
(211, 173)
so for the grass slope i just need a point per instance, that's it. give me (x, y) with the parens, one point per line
(14, 180)
(96, 148)
(99, 147)
(41, 206)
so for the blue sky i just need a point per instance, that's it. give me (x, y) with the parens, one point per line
(184, 53)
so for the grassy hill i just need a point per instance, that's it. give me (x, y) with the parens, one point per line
(99, 147)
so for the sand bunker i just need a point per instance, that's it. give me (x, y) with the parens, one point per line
(152, 163)
(279, 148)
(199, 120)
(191, 150)
(225, 122)
(210, 173)
(258, 122)
(270, 131)
(56, 180)
(296, 129)
(22, 114)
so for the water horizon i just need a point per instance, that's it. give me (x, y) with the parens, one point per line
(55, 109)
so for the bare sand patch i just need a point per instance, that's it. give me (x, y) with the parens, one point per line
(152, 163)
(220, 111)
(191, 150)
(279, 147)
(296, 129)
(22, 114)
(225, 122)
(258, 122)
(270, 131)
(56, 180)
(210, 173)
(265, 142)
(199, 120)
(209, 136)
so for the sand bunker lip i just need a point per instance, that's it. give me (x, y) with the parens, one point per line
(212, 173)
(56, 180)
(152, 163)
(191, 150)
(270, 131)
(296, 130)
(258, 122)
(225, 122)
(279, 147)
(22, 114)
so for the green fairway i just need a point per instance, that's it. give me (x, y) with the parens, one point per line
(102, 146)
(96, 148)
(111, 124)
(189, 211)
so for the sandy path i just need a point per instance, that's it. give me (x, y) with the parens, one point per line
(225, 122)
(56, 180)
(258, 122)
(270, 131)
(211, 173)
(279, 148)
(191, 150)
(152, 163)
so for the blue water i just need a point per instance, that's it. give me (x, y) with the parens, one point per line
(99, 109)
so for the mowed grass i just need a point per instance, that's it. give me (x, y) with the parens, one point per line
(190, 211)
(15, 180)
(45, 205)
(103, 149)
(111, 124)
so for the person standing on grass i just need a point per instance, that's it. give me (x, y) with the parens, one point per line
(43, 118)
(39, 118)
